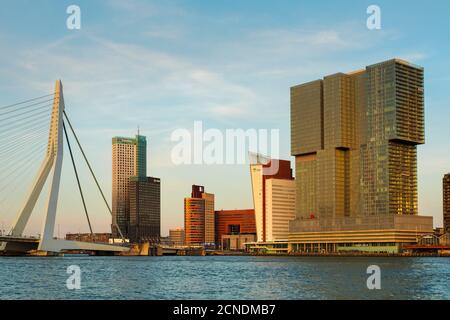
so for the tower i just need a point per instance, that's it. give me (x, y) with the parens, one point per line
(129, 159)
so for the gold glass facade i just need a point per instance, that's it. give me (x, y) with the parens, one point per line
(306, 118)
(327, 170)
(395, 125)
(354, 137)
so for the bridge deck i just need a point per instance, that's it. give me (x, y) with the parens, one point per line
(57, 245)
(19, 239)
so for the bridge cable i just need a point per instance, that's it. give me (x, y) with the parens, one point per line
(36, 123)
(29, 117)
(26, 101)
(78, 180)
(11, 136)
(9, 185)
(26, 112)
(26, 106)
(93, 175)
(31, 121)
(18, 166)
(15, 186)
(22, 142)
(16, 181)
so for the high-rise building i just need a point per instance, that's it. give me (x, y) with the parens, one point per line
(354, 137)
(446, 193)
(234, 222)
(176, 236)
(128, 160)
(145, 209)
(199, 218)
(273, 199)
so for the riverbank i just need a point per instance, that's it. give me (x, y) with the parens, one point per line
(346, 254)
(240, 254)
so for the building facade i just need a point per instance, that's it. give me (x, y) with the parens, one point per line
(236, 242)
(176, 236)
(354, 137)
(145, 209)
(446, 201)
(234, 222)
(274, 198)
(128, 160)
(199, 221)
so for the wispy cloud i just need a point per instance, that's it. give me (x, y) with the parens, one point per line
(111, 78)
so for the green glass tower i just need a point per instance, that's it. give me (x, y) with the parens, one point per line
(141, 156)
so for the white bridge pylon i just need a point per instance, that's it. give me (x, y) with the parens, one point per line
(51, 168)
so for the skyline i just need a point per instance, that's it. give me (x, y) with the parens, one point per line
(225, 88)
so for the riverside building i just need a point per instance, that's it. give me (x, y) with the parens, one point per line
(273, 198)
(354, 137)
(199, 224)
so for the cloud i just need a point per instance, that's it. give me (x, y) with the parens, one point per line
(133, 12)
(133, 81)
(413, 56)
(163, 33)
(310, 40)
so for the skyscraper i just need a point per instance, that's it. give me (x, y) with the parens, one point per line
(145, 209)
(129, 159)
(446, 196)
(199, 218)
(273, 199)
(354, 137)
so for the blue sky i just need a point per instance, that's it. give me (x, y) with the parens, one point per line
(161, 65)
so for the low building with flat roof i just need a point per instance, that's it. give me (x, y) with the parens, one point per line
(236, 242)
(373, 234)
(176, 236)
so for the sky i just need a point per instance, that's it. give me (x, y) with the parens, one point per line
(161, 65)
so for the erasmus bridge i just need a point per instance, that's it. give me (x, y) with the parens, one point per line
(26, 124)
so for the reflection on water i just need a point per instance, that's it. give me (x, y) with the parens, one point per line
(224, 278)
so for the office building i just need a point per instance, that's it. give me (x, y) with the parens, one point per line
(274, 198)
(199, 218)
(145, 209)
(446, 198)
(354, 137)
(128, 160)
(234, 222)
(176, 236)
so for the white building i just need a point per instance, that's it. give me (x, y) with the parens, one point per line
(273, 200)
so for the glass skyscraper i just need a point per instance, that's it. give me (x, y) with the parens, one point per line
(354, 137)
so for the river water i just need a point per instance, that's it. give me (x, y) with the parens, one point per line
(224, 277)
